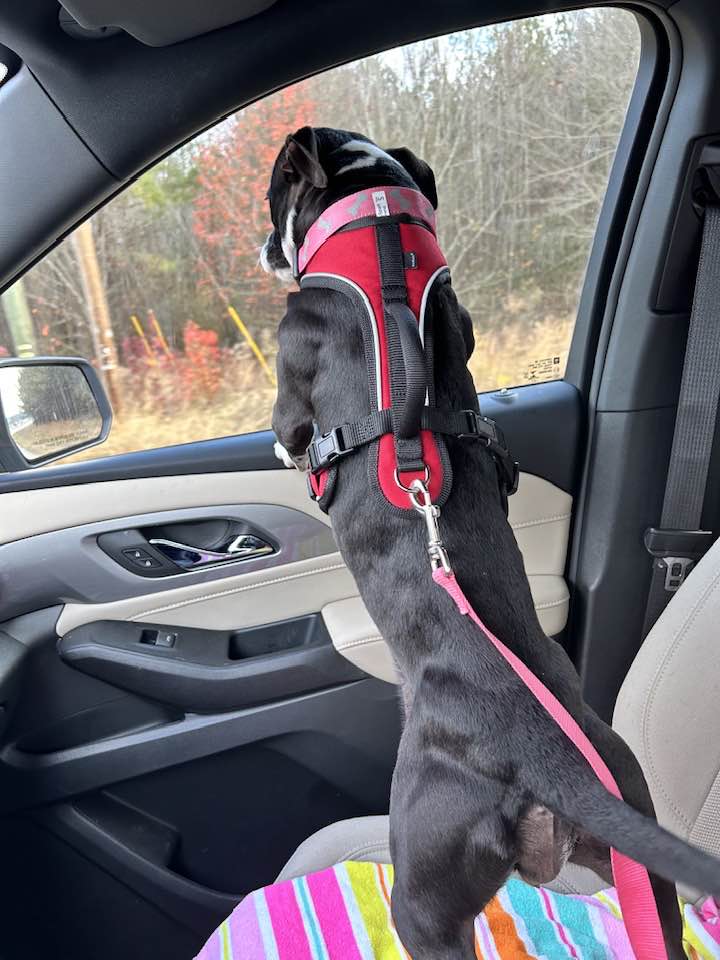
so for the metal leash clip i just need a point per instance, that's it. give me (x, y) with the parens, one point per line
(420, 499)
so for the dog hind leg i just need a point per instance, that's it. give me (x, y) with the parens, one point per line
(449, 863)
(435, 917)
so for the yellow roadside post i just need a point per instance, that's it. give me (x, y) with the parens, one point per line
(235, 316)
(141, 333)
(160, 335)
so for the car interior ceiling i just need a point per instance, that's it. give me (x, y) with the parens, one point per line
(81, 118)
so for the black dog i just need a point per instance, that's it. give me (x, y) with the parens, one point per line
(485, 782)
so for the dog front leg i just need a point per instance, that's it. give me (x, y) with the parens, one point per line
(292, 419)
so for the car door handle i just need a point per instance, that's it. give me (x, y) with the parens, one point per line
(244, 547)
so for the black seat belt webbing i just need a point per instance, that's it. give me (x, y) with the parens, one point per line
(679, 543)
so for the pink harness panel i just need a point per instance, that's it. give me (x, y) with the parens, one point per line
(373, 202)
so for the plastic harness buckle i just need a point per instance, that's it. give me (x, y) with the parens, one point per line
(509, 472)
(483, 428)
(326, 449)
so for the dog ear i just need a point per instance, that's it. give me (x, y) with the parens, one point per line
(302, 160)
(420, 171)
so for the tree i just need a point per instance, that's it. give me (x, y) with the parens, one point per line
(19, 319)
(55, 393)
(96, 299)
(520, 122)
(230, 214)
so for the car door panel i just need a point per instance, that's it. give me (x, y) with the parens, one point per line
(82, 572)
(53, 772)
(293, 763)
(243, 790)
(84, 760)
(540, 515)
(305, 576)
(541, 421)
(38, 502)
(235, 601)
(188, 799)
(204, 670)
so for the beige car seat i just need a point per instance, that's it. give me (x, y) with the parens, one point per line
(668, 710)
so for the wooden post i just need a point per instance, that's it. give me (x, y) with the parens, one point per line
(19, 320)
(98, 311)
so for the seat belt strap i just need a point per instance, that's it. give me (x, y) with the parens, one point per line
(679, 542)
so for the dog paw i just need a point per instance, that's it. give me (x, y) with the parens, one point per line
(282, 454)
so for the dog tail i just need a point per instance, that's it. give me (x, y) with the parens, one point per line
(591, 808)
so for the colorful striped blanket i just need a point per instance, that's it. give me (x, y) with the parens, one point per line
(343, 913)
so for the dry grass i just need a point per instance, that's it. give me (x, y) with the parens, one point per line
(519, 355)
(515, 356)
(145, 430)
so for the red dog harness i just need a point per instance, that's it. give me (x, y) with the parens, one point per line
(378, 247)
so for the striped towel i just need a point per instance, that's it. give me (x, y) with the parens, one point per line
(343, 913)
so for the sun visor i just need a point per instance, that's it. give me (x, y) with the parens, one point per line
(161, 22)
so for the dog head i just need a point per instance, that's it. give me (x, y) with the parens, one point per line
(317, 166)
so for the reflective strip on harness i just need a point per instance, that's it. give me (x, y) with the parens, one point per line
(351, 257)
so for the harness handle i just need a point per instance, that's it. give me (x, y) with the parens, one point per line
(407, 415)
(406, 357)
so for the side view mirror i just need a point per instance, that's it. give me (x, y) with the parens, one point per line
(49, 407)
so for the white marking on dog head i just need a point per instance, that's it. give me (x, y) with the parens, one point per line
(288, 243)
(372, 152)
(285, 274)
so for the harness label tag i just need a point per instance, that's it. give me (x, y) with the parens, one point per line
(381, 205)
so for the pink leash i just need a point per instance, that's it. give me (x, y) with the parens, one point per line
(635, 893)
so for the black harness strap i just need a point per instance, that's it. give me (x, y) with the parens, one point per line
(408, 380)
(373, 220)
(412, 359)
(463, 424)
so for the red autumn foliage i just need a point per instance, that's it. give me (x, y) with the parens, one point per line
(168, 384)
(230, 214)
(201, 373)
